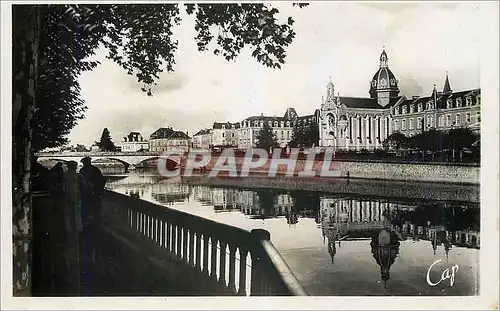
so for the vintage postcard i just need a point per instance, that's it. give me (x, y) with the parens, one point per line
(250, 155)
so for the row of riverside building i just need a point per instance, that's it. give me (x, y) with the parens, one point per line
(345, 123)
(355, 123)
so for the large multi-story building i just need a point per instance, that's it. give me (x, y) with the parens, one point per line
(133, 142)
(225, 134)
(282, 127)
(165, 138)
(354, 123)
(203, 139)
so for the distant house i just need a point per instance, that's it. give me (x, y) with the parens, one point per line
(94, 148)
(165, 138)
(225, 134)
(203, 139)
(133, 142)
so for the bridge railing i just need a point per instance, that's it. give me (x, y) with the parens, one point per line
(97, 154)
(239, 261)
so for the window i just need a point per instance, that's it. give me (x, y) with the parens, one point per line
(232, 134)
(282, 135)
(403, 125)
(419, 107)
(261, 124)
(449, 103)
(467, 117)
(396, 110)
(457, 119)
(478, 100)
(288, 134)
(448, 120)
(223, 134)
(459, 102)
(396, 125)
(419, 122)
(478, 116)
(468, 101)
(411, 124)
(370, 127)
(429, 122)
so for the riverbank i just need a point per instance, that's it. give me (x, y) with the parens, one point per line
(354, 187)
(466, 174)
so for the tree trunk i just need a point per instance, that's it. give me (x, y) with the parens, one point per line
(25, 60)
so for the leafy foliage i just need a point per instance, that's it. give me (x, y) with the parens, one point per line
(266, 138)
(106, 144)
(305, 135)
(396, 141)
(139, 38)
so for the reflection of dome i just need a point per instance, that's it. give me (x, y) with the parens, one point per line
(385, 249)
(384, 79)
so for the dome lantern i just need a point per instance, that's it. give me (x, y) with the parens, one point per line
(384, 84)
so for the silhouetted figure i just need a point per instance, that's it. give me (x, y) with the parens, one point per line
(56, 232)
(71, 199)
(39, 176)
(56, 188)
(92, 184)
(73, 226)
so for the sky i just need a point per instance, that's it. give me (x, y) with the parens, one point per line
(341, 40)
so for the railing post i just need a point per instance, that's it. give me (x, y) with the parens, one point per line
(185, 244)
(198, 250)
(213, 258)
(205, 253)
(222, 263)
(258, 273)
(243, 272)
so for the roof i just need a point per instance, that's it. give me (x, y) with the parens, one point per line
(168, 133)
(179, 135)
(290, 114)
(447, 87)
(366, 103)
(229, 125)
(202, 132)
(162, 132)
(442, 98)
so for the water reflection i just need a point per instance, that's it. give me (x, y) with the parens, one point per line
(386, 233)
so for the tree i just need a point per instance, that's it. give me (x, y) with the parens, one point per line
(51, 44)
(457, 139)
(396, 141)
(431, 140)
(305, 135)
(266, 138)
(106, 144)
(81, 148)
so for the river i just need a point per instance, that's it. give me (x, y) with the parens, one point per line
(334, 244)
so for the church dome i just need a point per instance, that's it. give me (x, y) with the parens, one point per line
(384, 79)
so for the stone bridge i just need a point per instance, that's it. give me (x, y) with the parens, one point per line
(129, 159)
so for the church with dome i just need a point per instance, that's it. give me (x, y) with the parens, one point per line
(356, 123)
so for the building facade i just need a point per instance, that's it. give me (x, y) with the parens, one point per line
(167, 139)
(203, 139)
(225, 134)
(133, 142)
(355, 123)
(282, 127)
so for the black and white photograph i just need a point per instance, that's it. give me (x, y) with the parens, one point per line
(329, 153)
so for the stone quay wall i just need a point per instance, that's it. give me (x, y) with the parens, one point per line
(380, 170)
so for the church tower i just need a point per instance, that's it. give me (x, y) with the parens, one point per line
(384, 85)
